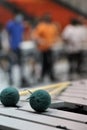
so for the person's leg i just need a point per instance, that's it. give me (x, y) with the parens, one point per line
(12, 60)
(50, 65)
(72, 65)
(44, 64)
(84, 62)
(70, 60)
(79, 62)
(20, 62)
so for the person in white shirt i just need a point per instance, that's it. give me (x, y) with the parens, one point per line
(84, 46)
(73, 38)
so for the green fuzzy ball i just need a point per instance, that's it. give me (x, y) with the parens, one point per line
(9, 96)
(40, 100)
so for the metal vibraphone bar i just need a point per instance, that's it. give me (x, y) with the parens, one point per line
(68, 110)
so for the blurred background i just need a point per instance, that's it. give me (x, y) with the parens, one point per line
(42, 41)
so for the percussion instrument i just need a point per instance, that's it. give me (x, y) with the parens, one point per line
(68, 110)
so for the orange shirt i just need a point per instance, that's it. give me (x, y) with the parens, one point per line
(46, 35)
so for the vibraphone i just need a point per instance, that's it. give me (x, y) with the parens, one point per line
(68, 110)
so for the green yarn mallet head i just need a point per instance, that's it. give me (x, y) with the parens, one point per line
(9, 96)
(40, 100)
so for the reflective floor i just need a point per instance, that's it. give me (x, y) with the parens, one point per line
(61, 69)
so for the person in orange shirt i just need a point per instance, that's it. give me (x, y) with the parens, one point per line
(46, 35)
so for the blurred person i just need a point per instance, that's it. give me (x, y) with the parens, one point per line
(4, 42)
(28, 52)
(15, 29)
(4, 60)
(73, 39)
(1, 36)
(4, 46)
(84, 44)
(46, 34)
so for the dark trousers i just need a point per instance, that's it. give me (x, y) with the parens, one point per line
(84, 61)
(15, 57)
(75, 60)
(47, 64)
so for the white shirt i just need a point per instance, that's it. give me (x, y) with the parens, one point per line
(84, 44)
(75, 36)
